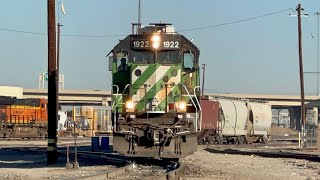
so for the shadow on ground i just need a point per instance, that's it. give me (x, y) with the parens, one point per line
(37, 158)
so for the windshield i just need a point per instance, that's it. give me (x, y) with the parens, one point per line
(142, 57)
(164, 57)
(169, 57)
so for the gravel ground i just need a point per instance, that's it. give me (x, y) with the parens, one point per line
(142, 171)
(15, 165)
(205, 165)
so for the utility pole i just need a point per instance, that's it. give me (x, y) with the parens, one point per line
(52, 154)
(203, 75)
(303, 109)
(317, 13)
(139, 12)
(316, 116)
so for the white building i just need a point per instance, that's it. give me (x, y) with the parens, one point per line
(11, 91)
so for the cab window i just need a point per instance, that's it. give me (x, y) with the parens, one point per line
(142, 57)
(188, 60)
(169, 57)
(122, 61)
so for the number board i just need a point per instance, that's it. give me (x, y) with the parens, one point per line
(140, 44)
(170, 42)
(166, 42)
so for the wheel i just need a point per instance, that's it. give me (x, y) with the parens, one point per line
(211, 139)
(236, 140)
(9, 134)
(264, 140)
(218, 139)
(241, 140)
(221, 139)
(248, 140)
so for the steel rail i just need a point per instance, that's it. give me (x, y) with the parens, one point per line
(267, 153)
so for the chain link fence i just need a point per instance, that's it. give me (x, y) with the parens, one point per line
(311, 135)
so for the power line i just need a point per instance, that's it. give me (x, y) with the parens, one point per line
(19, 31)
(66, 35)
(234, 22)
(121, 35)
(92, 36)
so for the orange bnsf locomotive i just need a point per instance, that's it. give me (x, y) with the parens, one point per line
(23, 118)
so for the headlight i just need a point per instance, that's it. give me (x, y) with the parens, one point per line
(155, 45)
(181, 106)
(129, 105)
(155, 41)
(155, 38)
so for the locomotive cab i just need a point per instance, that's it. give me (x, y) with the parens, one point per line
(155, 91)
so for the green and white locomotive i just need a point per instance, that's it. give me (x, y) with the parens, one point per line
(155, 93)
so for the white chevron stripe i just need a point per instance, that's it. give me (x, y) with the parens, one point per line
(161, 71)
(134, 77)
(161, 95)
(153, 79)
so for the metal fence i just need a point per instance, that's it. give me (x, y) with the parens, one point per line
(311, 135)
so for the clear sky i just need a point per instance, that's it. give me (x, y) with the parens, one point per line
(256, 56)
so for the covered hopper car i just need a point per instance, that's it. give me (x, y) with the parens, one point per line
(234, 121)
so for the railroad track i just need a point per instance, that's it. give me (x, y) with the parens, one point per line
(266, 153)
(122, 164)
(254, 145)
(43, 139)
(173, 168)
(123, 167)
(130, 167)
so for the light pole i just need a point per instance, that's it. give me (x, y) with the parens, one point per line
(60, 5)
(203, 76)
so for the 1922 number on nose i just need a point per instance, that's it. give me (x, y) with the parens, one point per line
(170, 44)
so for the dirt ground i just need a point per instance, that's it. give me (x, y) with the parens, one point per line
(201, 165)
(206, 165)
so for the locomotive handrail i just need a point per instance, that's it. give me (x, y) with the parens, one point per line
(193, 103)
(194, 93)
(115, 94)
(117, 88)
(121, 95)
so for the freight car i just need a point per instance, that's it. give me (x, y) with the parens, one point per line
(155, 93)
(234, 121)
(23, 118)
